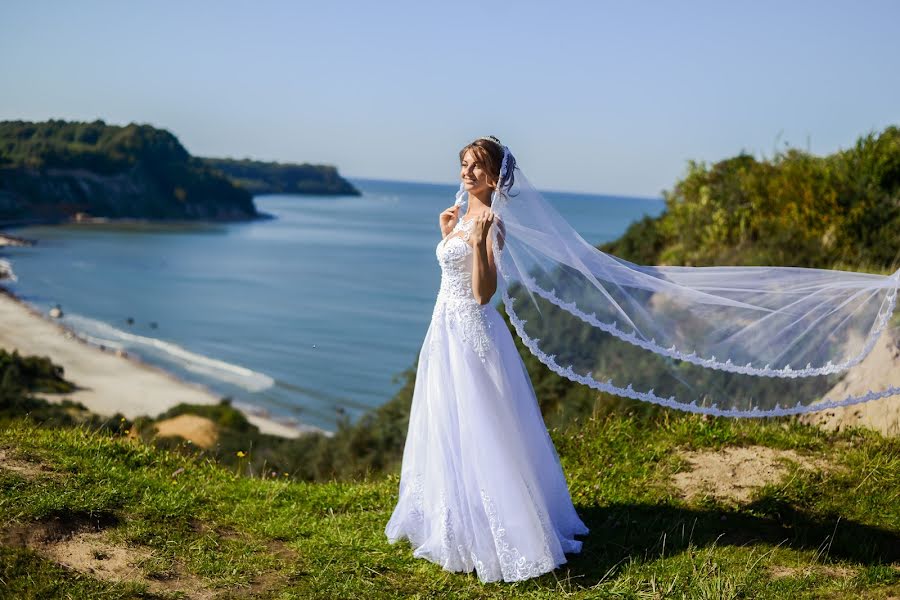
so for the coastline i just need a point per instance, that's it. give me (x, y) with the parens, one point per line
(108, 382)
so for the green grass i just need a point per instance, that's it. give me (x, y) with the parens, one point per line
(205, 530)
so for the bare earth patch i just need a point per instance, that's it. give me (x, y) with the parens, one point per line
(27, 469)
(82, 545)
(780, 571)
(90, 552)
(200, 431)
(734, 473)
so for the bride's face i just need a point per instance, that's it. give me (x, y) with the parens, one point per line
(475, 178)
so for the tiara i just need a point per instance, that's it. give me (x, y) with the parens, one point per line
(490, 138)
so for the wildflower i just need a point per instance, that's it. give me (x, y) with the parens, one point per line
(240, 454)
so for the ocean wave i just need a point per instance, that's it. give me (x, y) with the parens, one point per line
(100, 332)
(6, 271)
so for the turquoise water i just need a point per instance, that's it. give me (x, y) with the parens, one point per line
(303, 316)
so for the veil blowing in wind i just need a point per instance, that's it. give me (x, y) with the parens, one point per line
(731, 341)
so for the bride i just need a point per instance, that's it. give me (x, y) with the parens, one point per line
(481, 485)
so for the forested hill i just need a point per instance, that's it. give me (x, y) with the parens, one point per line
(53, 170)
(283, 178)
(795, 209)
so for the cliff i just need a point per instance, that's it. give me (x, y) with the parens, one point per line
(54, 194)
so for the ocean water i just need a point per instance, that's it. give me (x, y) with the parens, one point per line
(305, 316)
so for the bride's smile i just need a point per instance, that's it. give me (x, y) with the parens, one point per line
(475, 176)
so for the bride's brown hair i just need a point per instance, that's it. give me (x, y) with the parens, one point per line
(490, 153)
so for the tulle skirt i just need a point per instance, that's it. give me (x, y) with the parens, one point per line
(481, 486)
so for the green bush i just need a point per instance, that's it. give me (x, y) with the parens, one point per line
(796, 209)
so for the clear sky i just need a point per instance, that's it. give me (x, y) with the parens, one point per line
(590, 96)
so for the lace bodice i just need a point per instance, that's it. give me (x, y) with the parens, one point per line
(455, 256)
(456, 300)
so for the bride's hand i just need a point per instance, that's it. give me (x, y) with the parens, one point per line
(481, 227)
(447, 220)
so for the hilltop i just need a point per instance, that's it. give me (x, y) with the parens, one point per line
(687, 507)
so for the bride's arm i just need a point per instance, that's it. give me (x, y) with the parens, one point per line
(484, 271)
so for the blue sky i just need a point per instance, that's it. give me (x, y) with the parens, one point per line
(591, 96)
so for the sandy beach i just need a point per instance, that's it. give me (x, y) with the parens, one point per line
(108, 383)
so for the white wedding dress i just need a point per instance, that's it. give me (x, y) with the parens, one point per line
(481, 485)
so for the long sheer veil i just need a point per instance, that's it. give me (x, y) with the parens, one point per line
(734, 341)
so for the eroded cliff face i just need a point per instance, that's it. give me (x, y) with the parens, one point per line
(56, 194)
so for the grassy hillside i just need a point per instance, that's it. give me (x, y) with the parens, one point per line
(129, 520)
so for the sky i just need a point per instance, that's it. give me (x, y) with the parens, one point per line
(597, 97)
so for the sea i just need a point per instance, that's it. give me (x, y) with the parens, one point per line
(307, 317)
